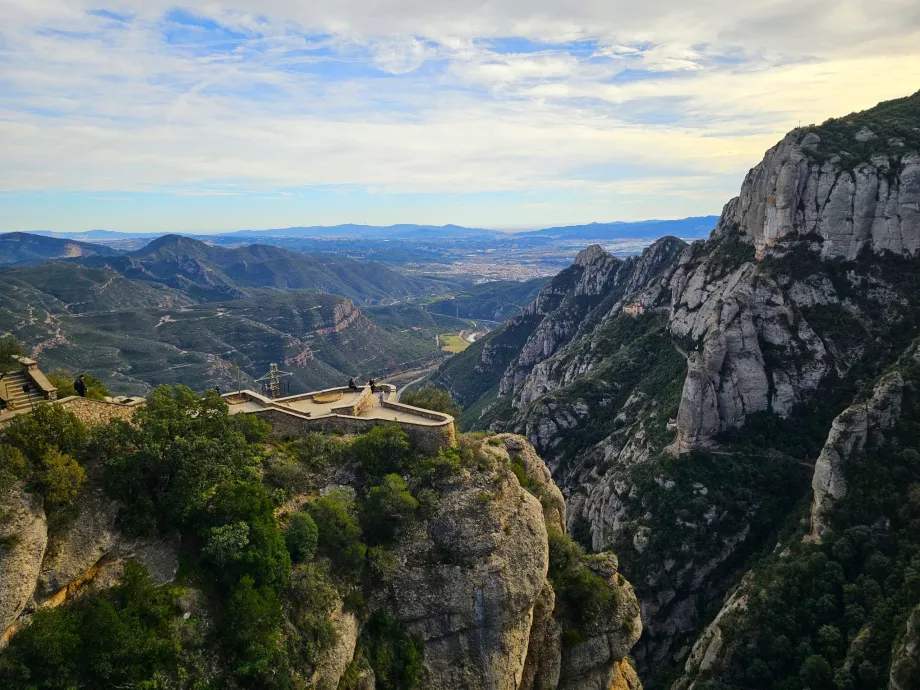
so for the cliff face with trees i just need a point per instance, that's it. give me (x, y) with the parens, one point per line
(184, 550)
(692, 438)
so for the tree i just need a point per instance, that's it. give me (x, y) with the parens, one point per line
(165, 467)
(301, 537)
(431, 398)
(383, 450)
(61, 477)
(338, 530)
(48, 426)
(387, 509)
(10, 350)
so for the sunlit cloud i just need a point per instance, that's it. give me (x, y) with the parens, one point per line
(423, 110)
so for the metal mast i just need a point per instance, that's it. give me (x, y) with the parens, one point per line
(271, 382)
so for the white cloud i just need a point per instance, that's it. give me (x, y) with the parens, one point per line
(405, 96)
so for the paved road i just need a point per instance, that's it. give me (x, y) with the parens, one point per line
(411, 383)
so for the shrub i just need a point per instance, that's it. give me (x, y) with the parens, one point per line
(166, 466)
(301, 537)
(13, 466)
(10, 350)
(582, 596)
(312, 598)
(49, 426)
(251, 629)
(383, 450)
(227, 543)
(254, 428)
(395, 656)
(263, 554)
(387, 509)
(338, 530)
(61, 477)
(431, 398)
(123, 638)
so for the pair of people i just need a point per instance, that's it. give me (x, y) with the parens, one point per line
(352, 385)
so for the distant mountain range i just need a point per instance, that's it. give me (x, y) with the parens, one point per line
(649, 229)
(21, 248)
(219, 273)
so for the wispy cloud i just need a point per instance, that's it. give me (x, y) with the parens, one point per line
(620, 109)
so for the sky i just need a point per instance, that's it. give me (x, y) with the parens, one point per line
(223, 115)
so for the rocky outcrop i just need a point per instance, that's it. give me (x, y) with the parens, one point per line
(73, 551)
(711, 646)
(334, 659)
(595, 662)
(469, 584)
(875, 205)
(849, 433)
(542, 666)
(574, 303)
(23, 537)
(39, 568)
(905, 659)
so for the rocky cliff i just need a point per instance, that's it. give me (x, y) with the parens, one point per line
(472, 582)
(683, 436)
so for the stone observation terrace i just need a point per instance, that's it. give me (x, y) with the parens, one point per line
(346, 411)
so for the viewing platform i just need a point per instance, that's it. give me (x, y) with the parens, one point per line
(344, 410)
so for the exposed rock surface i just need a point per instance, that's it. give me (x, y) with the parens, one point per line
(594, 663)
(876, 205)
(333, 660)
(24, 532)
(905, 663)
(847, 436)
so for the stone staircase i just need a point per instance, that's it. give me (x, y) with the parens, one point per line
(23, 392)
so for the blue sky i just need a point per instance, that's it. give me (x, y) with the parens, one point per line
(214, 116)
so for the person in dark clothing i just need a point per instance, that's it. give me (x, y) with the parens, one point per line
(217, 388)
(80, 386)
(352, 384)
(373, 384)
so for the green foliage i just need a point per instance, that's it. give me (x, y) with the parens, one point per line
(127, 637)
(251, 632)
(852, 593)
(301, 537)
(48, 426)
(582, 596)
(431, 398)
(13, 466)
(395, 656)
(260, 550)
(10, 350)
(165, 467)
(61, 477)
(339, 530)
(254, 428)
(227, 543)
(895, 119)
(383, 450)
(312, 598)
(64, 380)
(732, 250)
(388, 508)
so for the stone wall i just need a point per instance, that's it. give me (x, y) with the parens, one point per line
(428, 439)
(92, 412)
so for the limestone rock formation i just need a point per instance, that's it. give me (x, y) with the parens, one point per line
(23, 538)
(874, 205)
(847, 436)
(905, 663)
